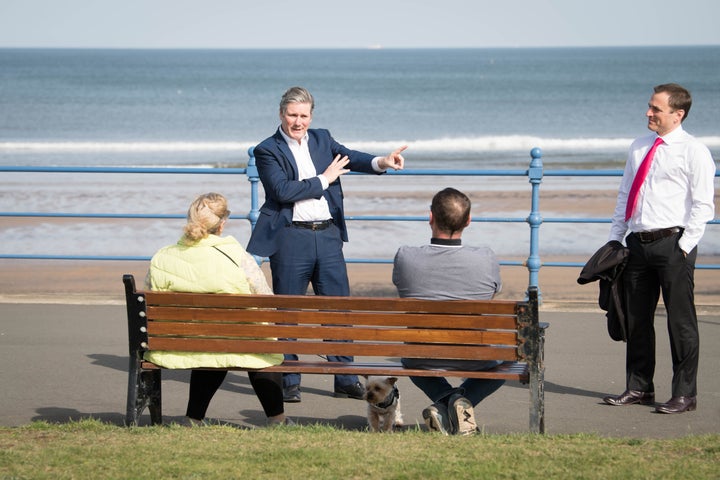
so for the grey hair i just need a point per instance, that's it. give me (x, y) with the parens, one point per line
(296, 95)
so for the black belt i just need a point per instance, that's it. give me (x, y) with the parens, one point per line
(647, 237)
(321, 225)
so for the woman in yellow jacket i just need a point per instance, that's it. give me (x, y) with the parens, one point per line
(204, 262)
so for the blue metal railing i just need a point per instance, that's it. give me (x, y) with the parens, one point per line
(534, 173)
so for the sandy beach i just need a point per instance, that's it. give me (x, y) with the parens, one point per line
(40, 281)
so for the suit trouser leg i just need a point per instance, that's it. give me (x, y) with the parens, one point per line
(652, 268)
(678, 285)
(311, 257)
(642, 292)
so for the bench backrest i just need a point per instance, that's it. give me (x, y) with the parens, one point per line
(387, 327)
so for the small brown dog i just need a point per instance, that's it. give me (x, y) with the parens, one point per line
(383, 398)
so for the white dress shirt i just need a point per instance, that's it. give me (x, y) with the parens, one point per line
(678, 191)
(311, 209)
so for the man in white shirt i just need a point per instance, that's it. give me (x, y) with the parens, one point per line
(301, 226)
(666, 219)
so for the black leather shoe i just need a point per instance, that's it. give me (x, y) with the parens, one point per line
(291, 394)
(677, 405)
(631, 397)
(355, 391)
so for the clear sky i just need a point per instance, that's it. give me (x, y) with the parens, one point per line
(356, 24)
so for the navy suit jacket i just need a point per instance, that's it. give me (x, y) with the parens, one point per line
(279, 175)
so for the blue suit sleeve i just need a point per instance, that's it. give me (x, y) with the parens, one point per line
(280, 180)
(359, 161)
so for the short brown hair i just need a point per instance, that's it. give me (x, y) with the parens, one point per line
(679, 97)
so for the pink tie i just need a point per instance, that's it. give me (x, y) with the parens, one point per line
(639, 179)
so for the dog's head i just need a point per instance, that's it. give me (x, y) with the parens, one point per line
(378, 389)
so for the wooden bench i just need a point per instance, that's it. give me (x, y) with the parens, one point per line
(383, 329)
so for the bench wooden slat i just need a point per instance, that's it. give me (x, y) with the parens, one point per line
(218, 300)
(388, 334)
(505, 371)
(474, 352)
(198, 314)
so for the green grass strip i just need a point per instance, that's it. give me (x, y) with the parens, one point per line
(90, 449)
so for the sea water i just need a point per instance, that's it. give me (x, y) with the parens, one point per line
(455, 108)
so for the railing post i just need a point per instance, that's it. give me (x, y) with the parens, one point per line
(254, 179)
(535, 175)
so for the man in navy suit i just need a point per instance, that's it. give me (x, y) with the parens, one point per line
(302, 225)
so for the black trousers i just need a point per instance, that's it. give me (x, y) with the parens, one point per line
(654, 268)
(204, 384)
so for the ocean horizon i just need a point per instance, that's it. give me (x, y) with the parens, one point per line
(469, 108)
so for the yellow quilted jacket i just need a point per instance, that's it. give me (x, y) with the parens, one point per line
(212, 265)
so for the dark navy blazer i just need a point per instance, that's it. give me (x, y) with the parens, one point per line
(279, 175)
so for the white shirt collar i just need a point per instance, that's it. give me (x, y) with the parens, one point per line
(292, 141)
(674, 136)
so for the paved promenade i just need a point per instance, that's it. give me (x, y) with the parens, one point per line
(63, 361)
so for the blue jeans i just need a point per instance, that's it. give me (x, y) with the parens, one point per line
(437, 388)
